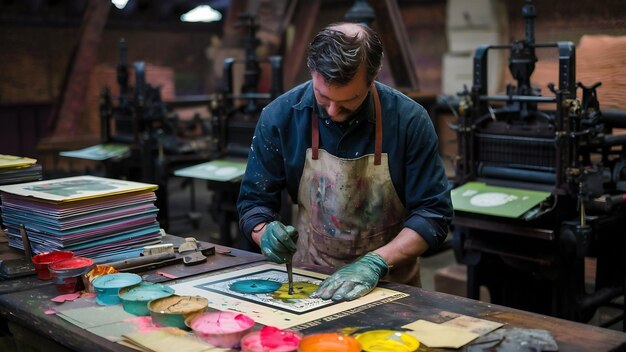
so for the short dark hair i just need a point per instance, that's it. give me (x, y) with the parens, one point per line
(337, 56)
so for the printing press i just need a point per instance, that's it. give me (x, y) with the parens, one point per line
(235, 112)
(158, 140)
(557, 143)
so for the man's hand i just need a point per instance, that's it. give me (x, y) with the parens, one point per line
(278, 242)
(353, 280)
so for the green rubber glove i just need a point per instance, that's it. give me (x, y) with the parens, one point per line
(353, 280)
(278, 242)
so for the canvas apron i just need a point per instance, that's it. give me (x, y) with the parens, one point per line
(348, 207)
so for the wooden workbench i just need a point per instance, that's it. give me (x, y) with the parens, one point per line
(24, 313)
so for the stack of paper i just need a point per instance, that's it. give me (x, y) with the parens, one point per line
(15, 169)
(99, 218)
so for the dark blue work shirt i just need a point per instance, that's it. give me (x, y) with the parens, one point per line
(283, 134)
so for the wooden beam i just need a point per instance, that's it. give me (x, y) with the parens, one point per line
(67, 120)
(396, 42)
(304, 21)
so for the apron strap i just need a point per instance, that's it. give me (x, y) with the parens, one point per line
(315, 136)
(378, 139)
(378, 142)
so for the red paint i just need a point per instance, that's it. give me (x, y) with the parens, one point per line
(67, 273)
(71, 263)
(271, 339)
(42, 260)
(335, 221)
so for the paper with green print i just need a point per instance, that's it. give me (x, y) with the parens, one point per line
(480, 198)
(99, 152)
(215, 170)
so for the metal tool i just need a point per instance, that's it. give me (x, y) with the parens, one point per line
(290, 275)
(19, 267)
(146, 262)
(28, 254)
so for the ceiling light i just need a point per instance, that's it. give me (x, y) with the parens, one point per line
(202, 13)
(120, 4)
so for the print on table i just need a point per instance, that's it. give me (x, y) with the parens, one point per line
(237, 287)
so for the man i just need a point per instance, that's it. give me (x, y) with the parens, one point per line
(361, 161)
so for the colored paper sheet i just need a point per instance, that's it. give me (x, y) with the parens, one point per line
(480, 198)
(99, 152)
(95, 217)
(76, 188)
(162, 340)
(216, 170)
(475, 325)
(438, 335)
(11, 161)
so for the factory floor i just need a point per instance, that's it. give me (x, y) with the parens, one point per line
(440, 272)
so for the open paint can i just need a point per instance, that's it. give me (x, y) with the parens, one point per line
(329, 342)
(66, 273)
(271, 339)
(107, 287)
(41, 262)
(174, 309)
(221, 329)
(135, 298)
(387, 340)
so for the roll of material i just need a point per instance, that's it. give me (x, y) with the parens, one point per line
(516, 174)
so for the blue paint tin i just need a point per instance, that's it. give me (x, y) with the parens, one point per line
(107, 287)
(135, 298)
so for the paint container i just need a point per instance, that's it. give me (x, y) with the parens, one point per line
(221, 329)
(271, 339)
(41, 262)
(66, 274)
(107, 287)
(174, 309)
(387, 341)
(135, 298)
(96, 270)
(329, 342)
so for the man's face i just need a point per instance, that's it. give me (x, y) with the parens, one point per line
(340, 102)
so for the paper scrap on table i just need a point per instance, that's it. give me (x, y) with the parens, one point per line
(475, 325)
(440, 336)
(166, 340)
(515, 339)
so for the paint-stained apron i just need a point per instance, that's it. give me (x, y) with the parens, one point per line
(348, 207)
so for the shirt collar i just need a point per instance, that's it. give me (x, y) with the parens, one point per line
(308, 101)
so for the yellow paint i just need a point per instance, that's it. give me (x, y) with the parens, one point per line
(300, 290)
(387, 341)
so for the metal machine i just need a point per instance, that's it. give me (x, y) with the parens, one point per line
(235, 113)
(158, 140)
(561, 143)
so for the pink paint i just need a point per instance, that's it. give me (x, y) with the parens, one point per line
(221, 329)
(143, 323)
(67, 297)
(169, 276)
(271, 339)
(50, 312)
(221, 323)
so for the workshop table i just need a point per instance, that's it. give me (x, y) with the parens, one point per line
(24, 312)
